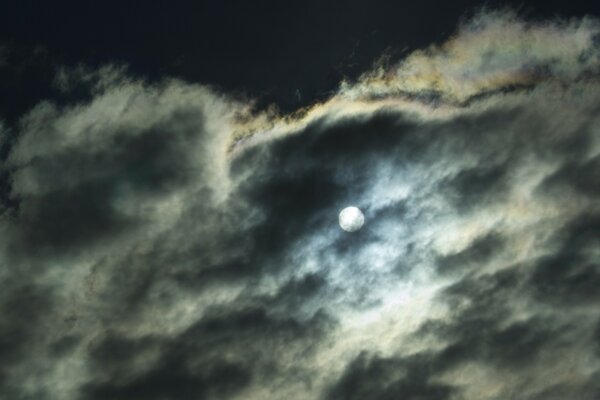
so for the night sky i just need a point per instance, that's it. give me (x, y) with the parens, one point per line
(171, 178)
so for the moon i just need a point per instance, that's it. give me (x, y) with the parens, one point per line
(351, 219)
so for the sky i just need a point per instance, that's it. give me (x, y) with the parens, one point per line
(171, 178)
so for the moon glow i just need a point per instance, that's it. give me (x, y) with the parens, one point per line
(351, 219)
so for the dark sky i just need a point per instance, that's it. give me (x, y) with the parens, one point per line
(167, 234)
(287, 53)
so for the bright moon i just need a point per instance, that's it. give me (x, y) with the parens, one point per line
(351, 219)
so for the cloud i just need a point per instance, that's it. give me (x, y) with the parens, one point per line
(381, 378)
(162, 241)
(492, 51)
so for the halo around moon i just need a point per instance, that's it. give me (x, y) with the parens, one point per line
(351, 219)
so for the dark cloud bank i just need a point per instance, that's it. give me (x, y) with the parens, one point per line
(142, 258)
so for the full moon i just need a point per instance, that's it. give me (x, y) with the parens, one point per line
(351, 219)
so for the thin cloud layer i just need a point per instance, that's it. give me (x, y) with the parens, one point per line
(160, 241)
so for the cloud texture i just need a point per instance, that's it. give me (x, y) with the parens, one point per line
(162, 241)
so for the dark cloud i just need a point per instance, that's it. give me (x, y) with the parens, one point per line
(22, 307)
(577, 175)
(215, 358)
(472, 187)
(479, 252)
(379, 378)
(569, 275)
(79, 209)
